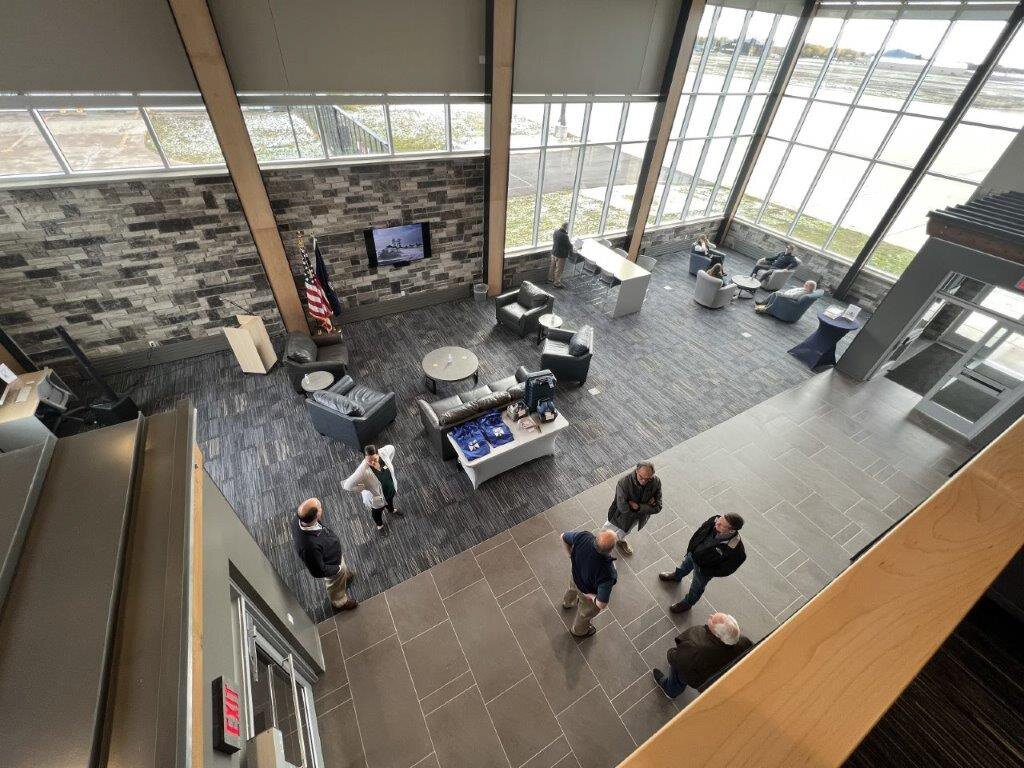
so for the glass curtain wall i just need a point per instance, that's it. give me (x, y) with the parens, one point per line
(734, 63)
(573, 160)
(869, 90)
(48, 136)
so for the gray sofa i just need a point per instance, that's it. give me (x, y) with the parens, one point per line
(440, 416)
(304, 354)
(568, 361)
(520, 309)
(356, 417)
(711, 293)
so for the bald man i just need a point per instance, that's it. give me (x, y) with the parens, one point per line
(593, 576)
(320, 549)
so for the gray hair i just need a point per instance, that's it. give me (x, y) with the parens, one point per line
(724, 627)
(647, 464)
(810, 286)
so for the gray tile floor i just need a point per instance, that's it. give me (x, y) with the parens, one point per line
(470, 663)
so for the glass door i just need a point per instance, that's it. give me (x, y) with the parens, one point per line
(278, 693)
(987, 379)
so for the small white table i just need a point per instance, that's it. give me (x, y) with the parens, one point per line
(545, 323)
(526, 446)
(749, 285)
(315, 381)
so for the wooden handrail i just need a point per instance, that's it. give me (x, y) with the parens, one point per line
(810, 692)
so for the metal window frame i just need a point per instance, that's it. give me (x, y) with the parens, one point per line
(956, 112)
(541, 160)
(578, 178)
(616, 152)
(815, 87)
(845, 119)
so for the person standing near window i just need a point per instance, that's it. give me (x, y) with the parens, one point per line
(375, 480)
(561, 248)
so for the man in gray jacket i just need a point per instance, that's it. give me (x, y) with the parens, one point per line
(375, 481)
(637, 497)
(561, 247)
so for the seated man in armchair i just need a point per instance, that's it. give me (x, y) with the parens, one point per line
(792, 293)
(782, 260)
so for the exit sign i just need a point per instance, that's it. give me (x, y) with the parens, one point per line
(227, 735)
(1020, 284)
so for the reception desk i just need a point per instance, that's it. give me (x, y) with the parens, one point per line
(633, 279)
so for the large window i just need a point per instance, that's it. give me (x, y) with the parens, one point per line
(868, 93)
(734, 63)
(574, 161)
(82, 135)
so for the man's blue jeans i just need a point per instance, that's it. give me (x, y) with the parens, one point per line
(697, 584)
(671, 684)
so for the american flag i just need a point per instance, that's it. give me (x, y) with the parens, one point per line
(316, 299)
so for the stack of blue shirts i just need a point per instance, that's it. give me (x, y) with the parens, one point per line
(476, 437)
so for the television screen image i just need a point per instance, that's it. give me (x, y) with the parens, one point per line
(397, 246)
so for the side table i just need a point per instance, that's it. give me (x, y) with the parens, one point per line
(546, 322)
(314, 381)
(819, 349)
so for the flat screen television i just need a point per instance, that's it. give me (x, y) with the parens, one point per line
(397, 246)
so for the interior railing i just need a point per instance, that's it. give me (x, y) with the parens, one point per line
(810, 692)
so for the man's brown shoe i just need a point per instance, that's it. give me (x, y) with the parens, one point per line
(624, 548)
(668, 576)
(348, 605)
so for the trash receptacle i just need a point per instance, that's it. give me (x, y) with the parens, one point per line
(480, 292)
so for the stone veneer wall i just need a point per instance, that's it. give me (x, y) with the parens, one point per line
(867, 291)
(337, 203)
(124, 263)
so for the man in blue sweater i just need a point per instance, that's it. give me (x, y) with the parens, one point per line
(593, 577)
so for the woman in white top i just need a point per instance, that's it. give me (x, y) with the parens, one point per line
(375, 481)
(705, 247)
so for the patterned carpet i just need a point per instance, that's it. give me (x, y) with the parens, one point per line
(661, 376)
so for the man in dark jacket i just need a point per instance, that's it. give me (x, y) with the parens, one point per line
(592, 577)
(561, 247)
(700, 653)
(637, 497)
(714, 550)
(320, 550)
(781, 260)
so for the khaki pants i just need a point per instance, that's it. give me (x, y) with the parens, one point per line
(585, 610)
(555, 270)
(337, 586)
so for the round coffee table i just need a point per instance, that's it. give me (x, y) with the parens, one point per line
(449, 364)
(746, 284)
(546, 322)
(316, 381)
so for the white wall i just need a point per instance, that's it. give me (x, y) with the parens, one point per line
(1007, 175)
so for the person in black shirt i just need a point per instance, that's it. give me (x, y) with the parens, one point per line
(320, 550)
(561, 247)
(714, 550)
(592, 578)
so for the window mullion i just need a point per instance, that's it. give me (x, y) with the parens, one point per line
(578, 178)
(803, 116)
(616, 151)
(892, 128)
(387, 123)
(152, 135)
(541, 159)
(842, 123)
(50, 140)
(668, 181)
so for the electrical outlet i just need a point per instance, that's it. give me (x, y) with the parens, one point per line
(152, 345)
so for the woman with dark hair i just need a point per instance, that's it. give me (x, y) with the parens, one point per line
(374, 479)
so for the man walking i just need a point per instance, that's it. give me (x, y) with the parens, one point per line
(637, 497)
(700, 653)
(714, 550)
(374, 479)
(320, 550)
(592, 579)
(561, 247)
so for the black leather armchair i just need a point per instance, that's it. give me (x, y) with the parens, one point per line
(304, 354)
(558, 358)
(330, 415)
(520, 309)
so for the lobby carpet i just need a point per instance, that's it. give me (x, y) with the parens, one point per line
(658, 377)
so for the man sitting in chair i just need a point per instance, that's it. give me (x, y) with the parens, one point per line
(782, 260)
(809, 287)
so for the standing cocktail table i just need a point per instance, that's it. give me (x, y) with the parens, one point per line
(819, 348)
(449, 364)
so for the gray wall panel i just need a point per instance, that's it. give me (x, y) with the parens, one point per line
(91, 45)
(592, 46)
(353, 45)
